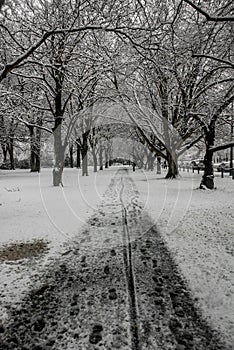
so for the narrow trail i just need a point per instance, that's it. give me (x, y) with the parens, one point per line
(129, 271)
(115, 287)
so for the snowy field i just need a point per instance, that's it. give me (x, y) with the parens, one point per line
(197, 226)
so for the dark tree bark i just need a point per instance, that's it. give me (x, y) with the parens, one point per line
(3, 139)
(4, 152)
(59, 152)
(71, 155)
(10, 145)
(110, 154)
(158, 165)
(150, 161)
(94, 161)
(172, 171)
(59, 149)
(84, 153)
(106, 158)
(35, 147)
(208, 175)
(101, 157)
(11, 154)
(78, 160)
(38, 145)
(38, 162)
(93, 145)
(32, 148)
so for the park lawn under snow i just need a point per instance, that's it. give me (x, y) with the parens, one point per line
(31, 208)
(197, 226)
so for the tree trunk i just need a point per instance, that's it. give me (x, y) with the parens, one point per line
(59, 148)
(93, 148)
(58, 155)
(172, 171)
(207, 180)
(4, 151)
(110, 153)
(84, 154)
(106, 159)
(101, 158)
(71, 155)
(78, 150)
(84, 164)
(150, 161)
(158, 165)
(38, 146)
(32, 148)
(11, 154)
(38, 162)
(3, 139)
(35, 149)
(11, 147)
(94, 161)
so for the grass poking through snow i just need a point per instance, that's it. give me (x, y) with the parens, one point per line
(22, 250)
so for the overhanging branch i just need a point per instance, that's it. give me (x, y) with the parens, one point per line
(28, 124)
(190, 145)
(208, 16)
(223, 146)
(15, 63)
(214, 59)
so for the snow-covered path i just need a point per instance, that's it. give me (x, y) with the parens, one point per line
(115, 286)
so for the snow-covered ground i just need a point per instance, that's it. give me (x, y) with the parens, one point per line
(31, 208)
(197, 226)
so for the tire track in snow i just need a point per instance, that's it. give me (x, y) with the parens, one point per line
(129, 271)
(81, 300)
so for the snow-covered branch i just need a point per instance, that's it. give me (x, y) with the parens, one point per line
(21, 58)
(28, 124)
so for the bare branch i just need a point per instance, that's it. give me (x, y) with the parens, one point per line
(223, 146)
(197, 117)
(190, 145)
(15, 63)
(208, 16)
(215, 59)
(12, 36)
(25, 122)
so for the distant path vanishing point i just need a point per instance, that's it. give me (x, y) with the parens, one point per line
(115, 287)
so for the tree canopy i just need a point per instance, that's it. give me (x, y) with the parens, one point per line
(168, 66)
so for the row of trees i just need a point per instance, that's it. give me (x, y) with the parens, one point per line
(80, 70)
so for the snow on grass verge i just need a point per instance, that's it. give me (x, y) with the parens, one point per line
(197, 227)
(32, 209)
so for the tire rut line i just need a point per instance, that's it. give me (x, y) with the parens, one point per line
(129, 271)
